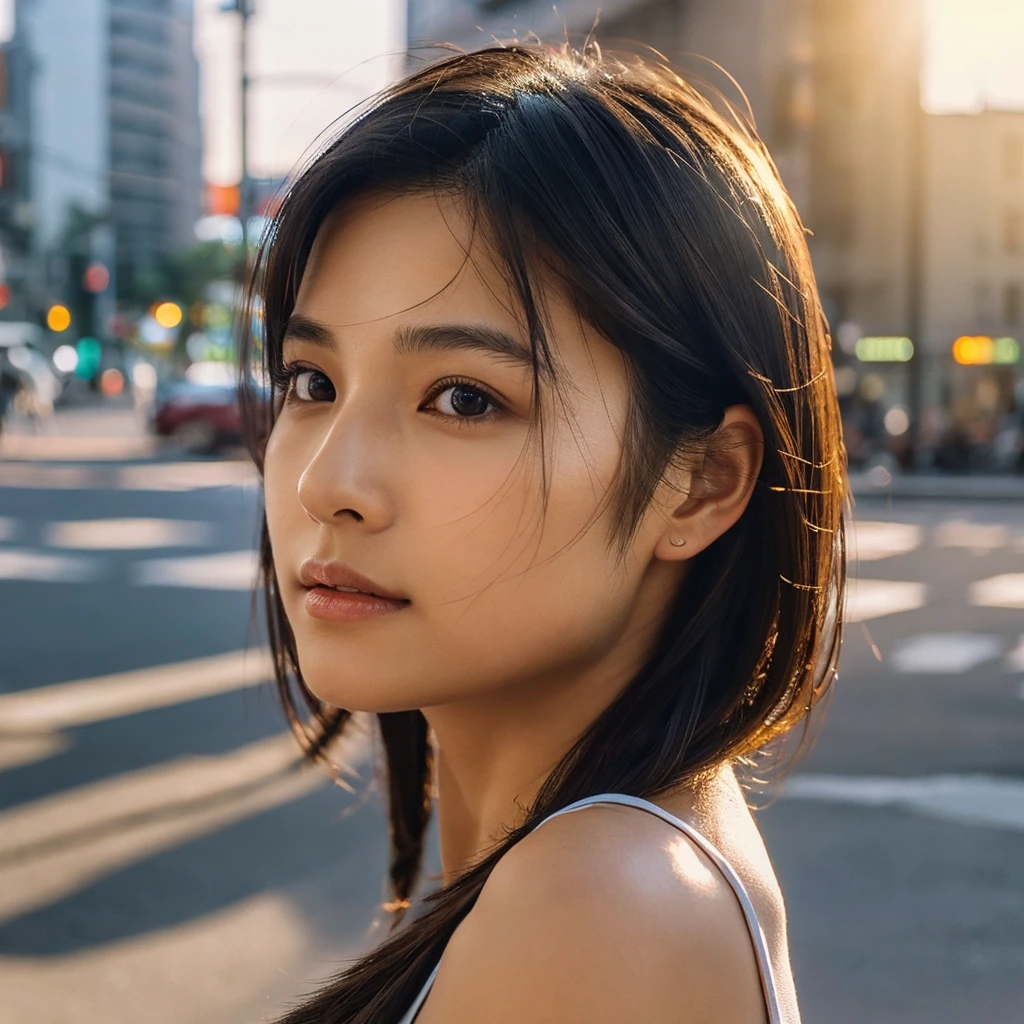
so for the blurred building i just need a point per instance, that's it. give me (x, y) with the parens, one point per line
(114, 148)
(16, 212)
(974, 278)
(834, 91)
(764, 46)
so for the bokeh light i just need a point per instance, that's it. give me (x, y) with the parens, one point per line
(111, 382)
(65, 359)
(58, 318)
(897, 421)
(168, 314)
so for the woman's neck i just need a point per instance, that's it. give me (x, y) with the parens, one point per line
(495, 750)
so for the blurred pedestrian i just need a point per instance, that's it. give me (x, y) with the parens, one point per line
(554, 488)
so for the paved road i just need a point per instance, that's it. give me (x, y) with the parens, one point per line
(161, 861)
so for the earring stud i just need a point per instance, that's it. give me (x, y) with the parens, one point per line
(677, 542)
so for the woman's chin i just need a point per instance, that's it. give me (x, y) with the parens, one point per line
(376, 701)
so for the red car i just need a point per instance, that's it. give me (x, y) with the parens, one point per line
(199, 417)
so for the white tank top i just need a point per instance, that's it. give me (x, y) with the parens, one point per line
(764, 963)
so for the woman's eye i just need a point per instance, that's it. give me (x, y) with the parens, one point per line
(464, 401)
(313, 386)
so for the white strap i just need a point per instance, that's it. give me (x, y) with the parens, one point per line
(764, 962)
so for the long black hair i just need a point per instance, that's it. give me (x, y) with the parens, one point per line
(665, 219)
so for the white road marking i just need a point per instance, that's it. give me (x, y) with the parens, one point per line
(60, 843)
(980, 537)
(22, 564)
(186, 476)
(230, 570)
(126, 534)
(871, 599)
(159, 476)
(7, 527)
(871, 540)
(1003, 591)
(985, 800)
(17, 749)
(63, 705)
(43, 447)
(944, 653)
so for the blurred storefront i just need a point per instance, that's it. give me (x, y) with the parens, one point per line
(973, 281)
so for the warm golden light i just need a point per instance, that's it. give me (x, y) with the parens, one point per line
(981, 350)
(58, 318)
(973, 350)
(168, 314)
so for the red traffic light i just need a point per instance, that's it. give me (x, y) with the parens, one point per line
(96, 278)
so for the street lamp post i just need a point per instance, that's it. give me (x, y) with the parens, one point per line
(245, 9)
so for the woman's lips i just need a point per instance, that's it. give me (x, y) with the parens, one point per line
(341, 606)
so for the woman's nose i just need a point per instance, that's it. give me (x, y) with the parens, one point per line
(347, 476)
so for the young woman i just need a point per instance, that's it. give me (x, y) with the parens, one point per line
(553, 487)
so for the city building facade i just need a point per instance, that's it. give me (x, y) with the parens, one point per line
(835, 94)
(974, 274)
(113, 138)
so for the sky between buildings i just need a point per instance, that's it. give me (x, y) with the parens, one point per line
(973, 50)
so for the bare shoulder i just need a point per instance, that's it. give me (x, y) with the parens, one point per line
(601, 915)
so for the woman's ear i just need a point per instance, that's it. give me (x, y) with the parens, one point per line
(718, 489)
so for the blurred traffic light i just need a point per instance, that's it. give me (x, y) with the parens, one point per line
(96, 278)
(168, 314)
(90, 354)
(58, 318)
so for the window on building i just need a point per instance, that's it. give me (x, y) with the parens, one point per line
(1013, 231)
(1014, 156)
(1013, 304)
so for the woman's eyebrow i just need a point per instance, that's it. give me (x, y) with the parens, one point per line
(471, 337)
(426, 338)
(304, 328)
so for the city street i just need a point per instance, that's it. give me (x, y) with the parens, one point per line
(162, 859)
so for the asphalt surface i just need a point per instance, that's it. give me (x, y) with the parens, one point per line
(160, 860)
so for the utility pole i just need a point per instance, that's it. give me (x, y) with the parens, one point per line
(245, 9)
(916, 211)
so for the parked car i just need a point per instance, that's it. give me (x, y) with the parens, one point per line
(200, 417)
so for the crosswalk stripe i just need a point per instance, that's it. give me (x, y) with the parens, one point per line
(948, 653)
(1003, 591)
(56, 845)
(157, 476)
(961, 533)
(871, 599)
(126, 534)
(62, 705)
(226, 570)
(46, 567)
(871, 540)
(982, 800)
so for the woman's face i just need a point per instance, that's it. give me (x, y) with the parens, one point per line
(402, 452)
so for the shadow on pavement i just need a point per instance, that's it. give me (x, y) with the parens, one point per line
(293, 849)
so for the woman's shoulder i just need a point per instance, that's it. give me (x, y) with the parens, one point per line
(605, 914)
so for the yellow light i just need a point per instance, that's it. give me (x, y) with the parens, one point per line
(58, 318)
(973, 350)
(884, 350)
(168, 314)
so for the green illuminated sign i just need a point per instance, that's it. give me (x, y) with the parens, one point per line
(884, 350)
